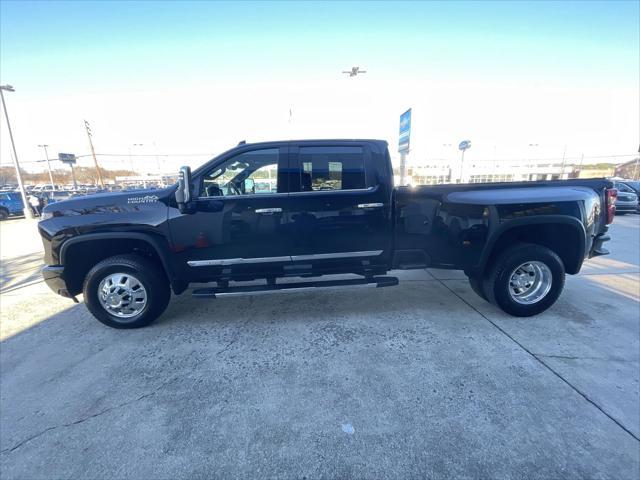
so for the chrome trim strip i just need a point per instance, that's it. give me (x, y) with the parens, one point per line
(236, 261)
(268, 210)
(334, 192)
(370, 205)
(295, 258)
(326, 256)
(245, 195)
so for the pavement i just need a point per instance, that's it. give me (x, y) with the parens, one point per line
(420, 380)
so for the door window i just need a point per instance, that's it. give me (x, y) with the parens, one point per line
(331, 168)
(250, 173)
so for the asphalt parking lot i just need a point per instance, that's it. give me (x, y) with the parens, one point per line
(420, 380)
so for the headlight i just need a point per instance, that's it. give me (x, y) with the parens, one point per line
(45, 216)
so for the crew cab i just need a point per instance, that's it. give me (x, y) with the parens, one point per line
(274, 210)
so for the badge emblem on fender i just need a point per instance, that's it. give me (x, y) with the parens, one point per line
(145, 199)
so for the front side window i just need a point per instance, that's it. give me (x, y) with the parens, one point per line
(250, 173)
(331, 168)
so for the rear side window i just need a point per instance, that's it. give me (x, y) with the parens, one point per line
(331, 168)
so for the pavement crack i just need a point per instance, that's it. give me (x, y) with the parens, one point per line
(84, 419)
(541, 361)
(227, 346)
(235, 338)
(564, 357)
(571, 357)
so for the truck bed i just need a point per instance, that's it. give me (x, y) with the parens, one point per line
(450, 226)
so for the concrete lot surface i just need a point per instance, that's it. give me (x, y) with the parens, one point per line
(422, 380)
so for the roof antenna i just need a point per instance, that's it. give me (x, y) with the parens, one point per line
(242, 142)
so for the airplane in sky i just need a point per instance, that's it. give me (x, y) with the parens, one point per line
(354, 71)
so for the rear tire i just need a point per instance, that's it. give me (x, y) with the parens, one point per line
(525, 280)
(4, 214)
(126, 291)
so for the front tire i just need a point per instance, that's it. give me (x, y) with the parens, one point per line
(126, 291)
(525, 280)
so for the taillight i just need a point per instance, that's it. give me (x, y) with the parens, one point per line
(611, 196)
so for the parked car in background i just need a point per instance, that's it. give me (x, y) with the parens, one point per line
(635, 186)
(45, 188)
(53, 197)
(10, 204)
(627, 200)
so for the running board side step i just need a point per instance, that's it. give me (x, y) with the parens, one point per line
(211, 292)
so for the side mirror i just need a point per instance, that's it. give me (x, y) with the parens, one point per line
(249, 185)
(183, 193)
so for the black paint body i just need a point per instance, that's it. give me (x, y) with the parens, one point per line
(322, 232)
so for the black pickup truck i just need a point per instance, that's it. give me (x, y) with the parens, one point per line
(268, 211)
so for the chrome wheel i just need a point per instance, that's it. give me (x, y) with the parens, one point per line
(122, 295)
(530, 282)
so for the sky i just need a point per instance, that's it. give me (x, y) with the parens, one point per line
(191, 79)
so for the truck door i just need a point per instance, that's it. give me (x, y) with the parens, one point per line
(238, 228)
(340, 209)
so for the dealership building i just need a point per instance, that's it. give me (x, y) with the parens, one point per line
(438, 172)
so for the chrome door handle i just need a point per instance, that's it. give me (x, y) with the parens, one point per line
(268, 211)
(370, 205)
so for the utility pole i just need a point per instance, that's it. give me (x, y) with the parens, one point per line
(46, 154)
(27, 208)
(93, 152)
(564, 154)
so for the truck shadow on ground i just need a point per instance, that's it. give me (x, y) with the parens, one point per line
(215, 351)
(428, 298)
(20, 271)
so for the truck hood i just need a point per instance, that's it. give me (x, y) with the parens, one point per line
(110, 203)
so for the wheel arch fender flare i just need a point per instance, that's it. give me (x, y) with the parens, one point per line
(510, 225)
(153, 241)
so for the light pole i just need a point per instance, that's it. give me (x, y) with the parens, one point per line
(46, 154)
(27, 208)
(464, 146)
(73, 176)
